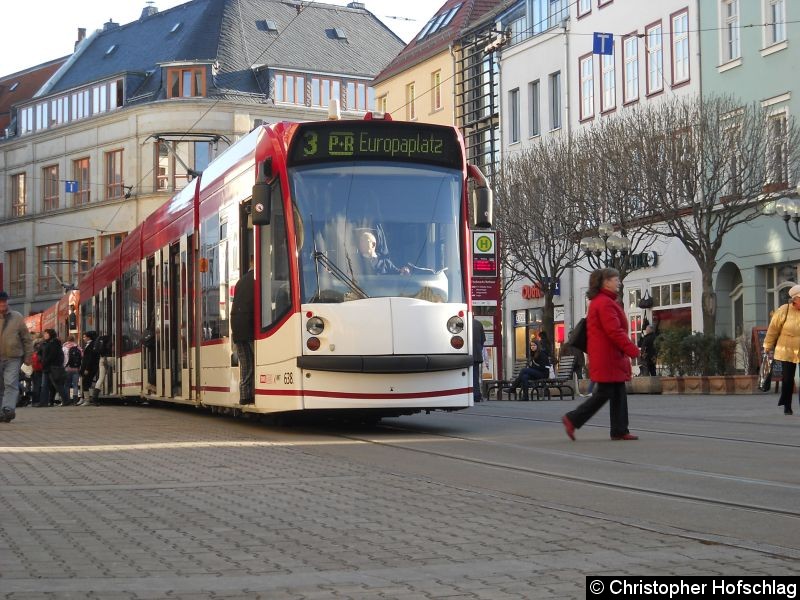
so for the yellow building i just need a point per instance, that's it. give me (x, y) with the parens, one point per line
(419, 84)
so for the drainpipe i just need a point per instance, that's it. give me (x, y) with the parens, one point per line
(567, 71)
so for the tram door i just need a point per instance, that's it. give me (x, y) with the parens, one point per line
(175, 311)
(185, 317)
(105, 326)
(152, 331)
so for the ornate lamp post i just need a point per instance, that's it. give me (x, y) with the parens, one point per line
(788, 208)
(615, 248)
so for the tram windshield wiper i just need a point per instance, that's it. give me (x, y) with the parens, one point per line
(334, 270)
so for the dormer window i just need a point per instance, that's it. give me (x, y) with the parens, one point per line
(111, 49)
(339, 33)
(14, 86)
(270, 25)
(186, 82)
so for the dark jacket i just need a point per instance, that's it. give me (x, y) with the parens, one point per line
(647, 346)
(242, 312)
(569, 350)
(478, 340)
(51, 354)
(91, 359)
(609, 344)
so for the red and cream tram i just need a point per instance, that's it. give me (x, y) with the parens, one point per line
(332, 332)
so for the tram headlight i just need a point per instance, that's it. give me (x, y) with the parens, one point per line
(455, 325)
(315, 326)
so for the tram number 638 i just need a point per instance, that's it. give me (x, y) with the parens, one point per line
(288, 378)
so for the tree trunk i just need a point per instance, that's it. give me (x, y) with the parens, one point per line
(709, 305)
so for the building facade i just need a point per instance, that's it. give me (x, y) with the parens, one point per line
(123, 125)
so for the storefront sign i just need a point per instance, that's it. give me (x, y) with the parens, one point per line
(533, 292)
(644, 260)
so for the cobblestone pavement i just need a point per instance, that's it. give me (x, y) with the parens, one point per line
(138, 503)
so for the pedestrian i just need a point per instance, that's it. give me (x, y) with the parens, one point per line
(90, 365)
(782, 342)
(53, 373)
(610, 350)
(538, 367)
(243, 333)
(478, 341)
(104, 347)
(72, 364)
(16, 348)
(647, 348)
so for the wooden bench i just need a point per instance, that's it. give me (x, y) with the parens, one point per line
(562, 382)
(499, 385)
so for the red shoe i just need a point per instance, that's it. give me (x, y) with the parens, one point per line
(569, 427)
(626, 436)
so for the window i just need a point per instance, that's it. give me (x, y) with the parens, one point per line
(114, 186)
(778, 150)
(290, 88)
(175, 160)
(535, 110)
(47, 275)
(608, 83)
(584, 7)
(411, 108)
(382, 104)
(16, 273)
(555, 100)
(214, 277)
(586, 83)
(109, 242)
(80, 173)
(82, 251)
(19, 195)
(322, 90)
(436, 89)
(672, 294)
(186, 83)
(654, 58)
(630, 73)
(50, 188)
(513, 111)
(680, 47)
(356, 96)
(775, 21)
(274, 264)
(729, 30)
(131, 309)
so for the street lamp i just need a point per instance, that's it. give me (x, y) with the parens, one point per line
(788, 208)
(616, 248)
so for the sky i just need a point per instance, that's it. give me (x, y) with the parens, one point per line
(47, 29)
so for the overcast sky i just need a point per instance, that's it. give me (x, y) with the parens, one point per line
(42, 30)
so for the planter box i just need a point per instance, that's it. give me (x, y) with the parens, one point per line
(672, 385)
(695, 384)
(644, 385)
(746, 384)
(720, 384)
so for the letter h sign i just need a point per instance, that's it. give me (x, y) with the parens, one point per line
(603, 43)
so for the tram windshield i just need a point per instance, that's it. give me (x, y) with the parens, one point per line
(378, 229)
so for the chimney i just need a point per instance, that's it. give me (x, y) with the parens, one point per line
(149, 10)
(360, 5)
(81, 36)
(110, 25)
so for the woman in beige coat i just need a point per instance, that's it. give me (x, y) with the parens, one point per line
(783, 337)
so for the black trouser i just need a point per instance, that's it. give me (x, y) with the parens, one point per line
(617, 396)
(787, 385)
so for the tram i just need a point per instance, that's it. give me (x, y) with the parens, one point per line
(332, 332)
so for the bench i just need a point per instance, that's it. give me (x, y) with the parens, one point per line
(499, 385)
(562, 382)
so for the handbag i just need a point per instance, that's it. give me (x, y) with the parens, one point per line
(765, 373)
(577, 337)
(646, 301)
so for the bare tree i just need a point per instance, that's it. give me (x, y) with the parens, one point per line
(704, 167)
(540, 221)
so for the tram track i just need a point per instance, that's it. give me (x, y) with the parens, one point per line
(581, 480)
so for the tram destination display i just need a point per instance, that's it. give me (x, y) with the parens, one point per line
(375, 140)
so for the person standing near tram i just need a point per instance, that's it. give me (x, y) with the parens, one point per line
(243, 333)
(16, 348)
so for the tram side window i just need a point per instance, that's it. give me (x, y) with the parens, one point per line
(274, 271)
(214, 277)
(87, 315)
(131, 309)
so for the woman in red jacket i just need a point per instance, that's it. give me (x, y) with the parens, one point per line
(610, 350)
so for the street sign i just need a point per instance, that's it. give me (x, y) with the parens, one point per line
(71, 187)
(603, 43)
(484, 254)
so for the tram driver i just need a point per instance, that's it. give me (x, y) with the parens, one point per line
(374, 264)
